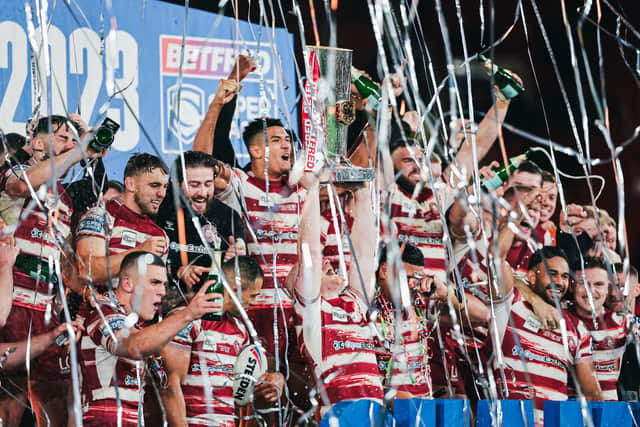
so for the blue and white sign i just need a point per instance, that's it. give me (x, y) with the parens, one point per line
(127, 62)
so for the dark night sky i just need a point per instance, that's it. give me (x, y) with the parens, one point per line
(354, 31)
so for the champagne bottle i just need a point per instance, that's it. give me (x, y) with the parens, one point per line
(509, 86)
(215, 287)
(502, 174)
(367, 88)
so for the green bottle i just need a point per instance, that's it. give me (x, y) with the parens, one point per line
(33, 266)
(215, 287)
(508, 86)
(367, 88)
(502, 174)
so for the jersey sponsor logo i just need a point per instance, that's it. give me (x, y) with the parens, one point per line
(607, 366)
(419, 240)
(131, 381)
(519, 352)
(92, 223)
(338, 315)
(175, 246)
(112, 325)
(129, 239)
(277, 236)
(351, 345)
(197, 367)
(532, 323)
(265, 201)
(184, 334)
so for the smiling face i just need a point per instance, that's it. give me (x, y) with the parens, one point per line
(148, 190)
(549, 199)
(404, 161)
(553, 283)
(599, 284)
(198, 188)
(279, 151)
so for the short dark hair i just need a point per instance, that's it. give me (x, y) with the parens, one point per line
(131, 259)
(544, 253)
(619, 268)
(256, 127)
(401, 136)
(411, 255)
(116, 185)
(249, 269)
(548, 177)
(141, 163)
(193, 159)
(49, 124)
(13, 141)
(591, 262)
(530, 167)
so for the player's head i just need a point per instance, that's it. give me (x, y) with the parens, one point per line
(549, 273)
(52, 129)
(615, 300)
(514, 195)
(412, 263)
(528, 174)
(145, 181)
(251, 277)
(590, 278)
(197, 181)
(406, 154)
(141, 284)
(280, 147)
(114, 190)
(549, 196)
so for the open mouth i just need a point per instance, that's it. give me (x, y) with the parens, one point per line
(285, 157)
(157, 305)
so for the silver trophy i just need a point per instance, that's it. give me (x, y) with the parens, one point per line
(328, 112)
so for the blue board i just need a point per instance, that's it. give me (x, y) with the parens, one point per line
(121, 58)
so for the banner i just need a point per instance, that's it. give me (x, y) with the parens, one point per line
(124, 59)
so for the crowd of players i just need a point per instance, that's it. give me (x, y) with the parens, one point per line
(403, 287)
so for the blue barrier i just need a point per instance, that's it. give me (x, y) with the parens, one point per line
(603, 414)
(357, 413)
(432, 413)
(457, 413)
(514, 413)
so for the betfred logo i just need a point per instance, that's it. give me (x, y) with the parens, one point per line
(206, 58)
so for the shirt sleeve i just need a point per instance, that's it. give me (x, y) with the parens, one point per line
(105, 333)
(93, 224)
(187, 336)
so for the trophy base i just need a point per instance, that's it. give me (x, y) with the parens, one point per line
(344, 173)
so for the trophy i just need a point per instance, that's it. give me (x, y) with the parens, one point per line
(328, 111)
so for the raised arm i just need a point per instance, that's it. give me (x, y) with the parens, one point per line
(152, 339)
(364, 239)
(309, 248)
(204, 138)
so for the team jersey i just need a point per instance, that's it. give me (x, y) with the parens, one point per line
(609, 340)
(40, 238)
(409, 370)
(119, 226)
(338, 339)
(107, 377)
(271, 222)
(214, 349)
(536, 365)
(419, 222)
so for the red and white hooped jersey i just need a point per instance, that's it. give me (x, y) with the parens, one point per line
(409, 371)
(120, 226)
(107, 377)
(271, 229)
(536, 364)
(39, 238)
(338, 340)
(418, 222)
(609, 340)
(214, 347)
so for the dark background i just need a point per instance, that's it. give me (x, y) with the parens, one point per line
(532, 111)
